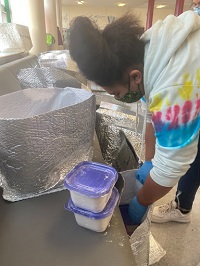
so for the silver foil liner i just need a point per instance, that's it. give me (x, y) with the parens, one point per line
(139, 240)
(46, 77)
(146, 249)
(57, 58)
(14, 38)
(43, 134)
(119, 133)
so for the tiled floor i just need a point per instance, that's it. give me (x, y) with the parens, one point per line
(180, 241)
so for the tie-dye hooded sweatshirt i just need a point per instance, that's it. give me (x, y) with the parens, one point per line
(172, 92)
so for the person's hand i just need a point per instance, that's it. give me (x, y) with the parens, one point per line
(136, 211)
(143, 172)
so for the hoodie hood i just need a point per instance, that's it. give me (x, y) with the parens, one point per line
(162, 41)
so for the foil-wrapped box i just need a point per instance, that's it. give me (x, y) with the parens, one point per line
(43, 134)
(14, 38)
(57, 58)
(46, 77)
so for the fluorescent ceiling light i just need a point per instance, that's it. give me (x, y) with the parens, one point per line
(121, 4)
(80, 2)
(160, 6)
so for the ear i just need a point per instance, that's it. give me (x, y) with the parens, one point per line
(136, 76)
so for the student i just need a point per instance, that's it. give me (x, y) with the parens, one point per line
(164, 67)
(179, 209)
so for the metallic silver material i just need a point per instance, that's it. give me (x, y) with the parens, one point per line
(57, 58)
(139, 240)
(14, 38)
(146, 249)
(43, 134)
(46, 77)
(111, 126)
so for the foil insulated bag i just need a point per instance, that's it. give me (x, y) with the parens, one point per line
(46, 77)
(57, 58)
(113, 129)
(146, 249)
(43, 134)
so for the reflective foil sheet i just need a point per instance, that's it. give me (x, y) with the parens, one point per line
(146, 249)
(57, 58)
(46, 77)
(61, 59)
(43, 134)
(14, 38)
(119, 133)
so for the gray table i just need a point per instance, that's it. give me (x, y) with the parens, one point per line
(39, 232)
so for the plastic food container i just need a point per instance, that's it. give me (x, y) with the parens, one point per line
(95, 221)
(90, 185)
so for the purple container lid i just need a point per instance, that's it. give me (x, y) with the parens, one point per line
(91, 179)
(97, 216)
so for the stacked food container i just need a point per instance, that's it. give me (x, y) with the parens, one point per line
(93, 195)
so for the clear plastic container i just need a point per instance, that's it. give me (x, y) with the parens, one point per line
(95, 221)
(90, 185)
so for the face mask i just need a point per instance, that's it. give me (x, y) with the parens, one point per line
(131, 96)
(197, 10)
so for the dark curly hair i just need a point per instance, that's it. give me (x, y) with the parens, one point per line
(103, 56)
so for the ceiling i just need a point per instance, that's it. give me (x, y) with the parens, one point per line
(129, 3)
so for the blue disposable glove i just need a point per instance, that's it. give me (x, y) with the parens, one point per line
(143, 172)
(136, 211)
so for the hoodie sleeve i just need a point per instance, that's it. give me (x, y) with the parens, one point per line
(176, 121)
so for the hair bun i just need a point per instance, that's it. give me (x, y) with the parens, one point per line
(88, 48)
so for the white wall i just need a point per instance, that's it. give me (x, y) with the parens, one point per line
(102, 14)
(99, 14)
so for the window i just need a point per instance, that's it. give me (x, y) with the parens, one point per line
(4, 11)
